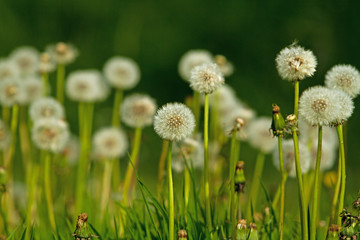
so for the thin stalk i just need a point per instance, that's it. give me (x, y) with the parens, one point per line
(196, 110)
(24, 139)
(186, 190)
(6, 115)
(31, 205)
(171, 194)
(336, 192)
(276, 198)
(296, 98)
(3, 215)
(283, 180)
(60, 83)
(232, 185)
(214, 114)
(302, 205)
(162, 167)
(14, 125)
(339, 129)
(106, 188)
(206, 163)
(47, 186)
(316, 187)
(116, 108)
(130, 171)
(45, 84)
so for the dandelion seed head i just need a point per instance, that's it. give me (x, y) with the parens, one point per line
(346, 106)
(174, 122)
(138, 110)
(46, 107)
(122, 72)
(206, 78)
(27, 59)
(294, 63)
(259, 135)
(110, 143)
(50, 134)
(46, 64)
(71, 151)
(192, 59)
(5, 136)
(62, 53)
(8, 69)
(32, 86)
(11, 92)
(344, 77)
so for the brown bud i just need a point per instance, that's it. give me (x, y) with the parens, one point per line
(241, 224)
(275, 109)
(182, 234)
(239, 165)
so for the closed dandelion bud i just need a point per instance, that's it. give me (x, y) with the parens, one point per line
(8, 69)
(333, 233)
(278, 122)
(46, 107)
(5, 136)
(62, 53)
(182, 234)
(109, 143)
(27, 60)
(344, 77)
(82, 231)
(253, 232)
(174, 122)
(239, 177)
(206, 78)
(3, 179)
(294, 63)
(192, 59)
(241, 232)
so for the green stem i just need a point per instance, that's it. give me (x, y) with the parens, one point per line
(316, 187)
(214, 113)
(283, 180)
(60, 83)
(276, 198)
(47, 186)
(296, 98)
(336, 192)
(45, 84)
(6, 115)
(14, 125)
(3, 215)
(116, 107)
(171, 194)
(302, 205)
(232, 185)
(196, 110)
(161, 166)
(339, 129)
(130, 170)
(24, 139)
(106, 188)
(31, 205)
(186, 190)
(206, 163)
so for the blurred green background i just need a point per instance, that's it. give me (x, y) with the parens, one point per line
(156, 33)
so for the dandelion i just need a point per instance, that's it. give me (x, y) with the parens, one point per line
(328, 155)
(138, 110)
(8, 69)
(294, 63)
(190, 149)
(346, 106)
(225, 66)
(121, 72)
(27, 60)
(11, 92)
(62, 53)
(71, 151)
(344, 77)
(110, 143)
(206, 78)
(46, 108)
(46, 63)
(33, 89)
(192, 59)
(259, 135)
(50, 134)
(5, 136)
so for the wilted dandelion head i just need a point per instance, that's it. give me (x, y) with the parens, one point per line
(289, 157)
(138, 110)
(71, 151)
(11, 92)
(226, 67)
(259, 135)
(32, 86)
(50, 134)
(27, 59)
(190, 149)
(62, 53)
(86, 86)
(206, 78)
(109, 143)
(174, 122)
(46, 64)
(344, 77)
(122, 72)
(8, 69)
(46, 107)
(5, 136)
(192, 59)
(294, 63)
(319, 106)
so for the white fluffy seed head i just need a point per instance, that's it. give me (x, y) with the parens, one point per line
(11, 92)
(138, 110)
(46, 64)
(294, 63)
(174, 122)
(50, 134)
(122, 72)
(192, 59)
(319, 106)
(32, 86)
(62, 53)
(110, 143)
(71, 151)
(86, 86)
(46, 107)
(346, 106)
(289, 157)
(8, 69)
(193, 151)
(5, 136)
(259, 135)
(206, 78)
(27, 60)
(344, 77)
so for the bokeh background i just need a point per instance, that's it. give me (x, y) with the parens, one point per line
(156, 33)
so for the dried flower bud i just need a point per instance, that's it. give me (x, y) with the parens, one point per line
(278, 122)
(239, 177)
(182, 234)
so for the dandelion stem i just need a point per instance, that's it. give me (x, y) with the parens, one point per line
(47, 185)
(14, 125)
(171, 194)
(302, 205)
(336, 192)
(130, 171)
(60, 83)
(45, 84)
(339, 129)
(232, 209)
(186, 190)
(106, 187)
(31, 205)
(206, 163)
(24, 138)
(116, 107)
(196, 109)
(316, 187)
(296, 98)
(3, 215)
(6, 115)
(283, 181)
(162, 166)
